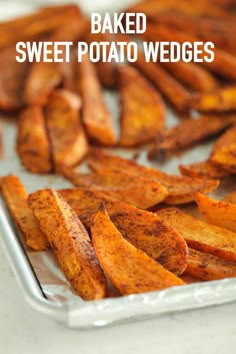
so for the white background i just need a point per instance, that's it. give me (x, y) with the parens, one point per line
(211, 331)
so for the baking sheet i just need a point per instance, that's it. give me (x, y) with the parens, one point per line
(44, 285)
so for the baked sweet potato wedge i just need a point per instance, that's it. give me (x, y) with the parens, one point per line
(130, 270)
(144, 230)
(142, 108)
(70, 242)
(135, 190)
(208, 267)
(231, 198)
(12, 79)
(15, 197)
(68, 140)
(33, 145)
(188, 133)
(192, 75)
(200, 235)
(226, 158)
(220, 100)
(170, 88)
(181, 189)
(217, 212)
(96, 117)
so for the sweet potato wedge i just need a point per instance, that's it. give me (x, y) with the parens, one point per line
(208, 267)
(188, 279)
(192, 75)
(216, 212)
(15, 197)
(226, 158)
(208, 168)
(33, 145)
(130, 270)
(141, 228)
(69, 143)
(200, 235)
(12, 78)
(70, 242)
(181, 189)
(137, 191)
(96, 117)
(170, 88)
(142, 108)
(220, 100)
(231, 198)
(224, 64)
(188, 133)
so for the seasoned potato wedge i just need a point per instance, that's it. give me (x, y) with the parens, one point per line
(96, 117)
(130, 270)
(189, 132)
(192, 75)
(231, 198)
(138, 191)
(200, 235)
(33, 145)
(208, 267)
(217, 212)
(170, 88)
(15, 197)
(142, 108)
(141, 228)
(181, 189)
(204, 169)
(70, 242)
(12, 80)
(220, 100)
(226, 158)
(188, 279)
(69, 143)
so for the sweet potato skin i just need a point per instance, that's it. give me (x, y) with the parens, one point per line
(96, 117)
(33, 145)
(216, 212)
(204, 169)
(69, 143)
(208, 267)
(142, 108)
(70, 242)
(142, 229)
(201, 236)
(129, 269)
(15, 197)
(181, 189)
(137, 191)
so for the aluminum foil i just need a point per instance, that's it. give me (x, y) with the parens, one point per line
(45, 287)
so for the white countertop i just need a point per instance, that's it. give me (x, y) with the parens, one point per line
(24, 331)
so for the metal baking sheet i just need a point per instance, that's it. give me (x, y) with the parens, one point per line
(43, 284)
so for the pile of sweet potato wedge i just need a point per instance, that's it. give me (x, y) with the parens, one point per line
(123, 222)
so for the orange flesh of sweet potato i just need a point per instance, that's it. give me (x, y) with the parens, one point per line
(70, 242)
(142, 229)
(217, 212)
(69, 144)
(219, 100)
(231, 198)
(142, 108)
(129, 269)
(208, 267)
(138, 191)
(174, 92)
(200, 235)
(96, 117)
(33, 145)
(226, 158)
(189, 132)
(181, 189)
(15, 197)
